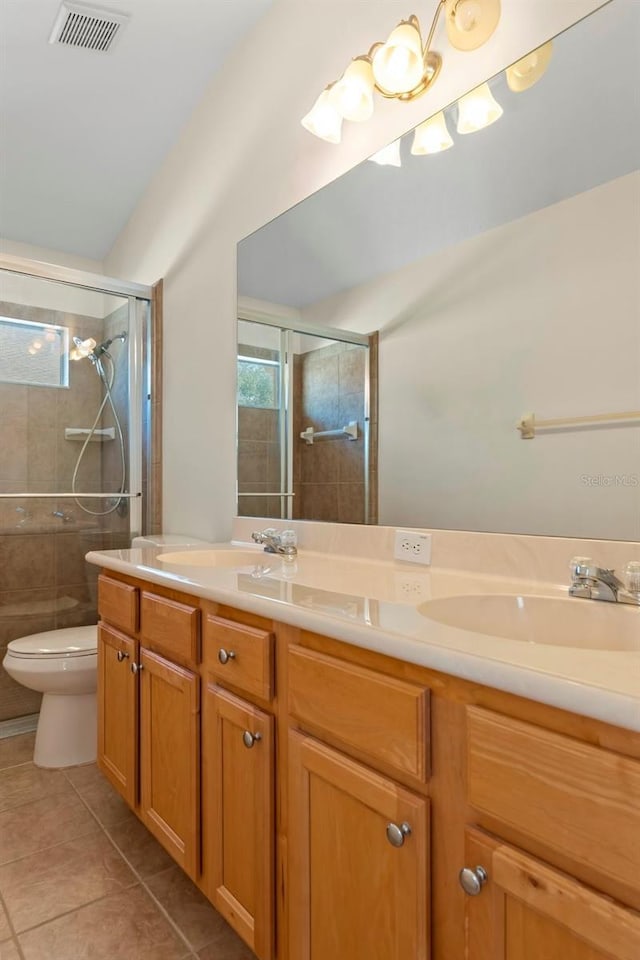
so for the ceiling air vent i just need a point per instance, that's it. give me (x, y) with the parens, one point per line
(87, 27)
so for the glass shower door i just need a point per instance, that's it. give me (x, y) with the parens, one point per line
(69, 371)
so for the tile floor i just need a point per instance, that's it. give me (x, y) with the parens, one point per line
(82, 879)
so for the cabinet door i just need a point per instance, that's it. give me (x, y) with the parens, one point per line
(118, 711)
(170, 756)
(526, 910)
(359, 860)
(238, 762)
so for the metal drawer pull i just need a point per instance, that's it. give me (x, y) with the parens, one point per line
(225, 655)
(396, 834)
(136, 667)
(122, 656)
(472, 881)
(249, 738)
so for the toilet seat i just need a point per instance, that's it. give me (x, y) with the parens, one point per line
(67, 643)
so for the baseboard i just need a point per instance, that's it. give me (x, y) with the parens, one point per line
(12, 728)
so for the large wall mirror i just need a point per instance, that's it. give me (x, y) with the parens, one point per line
(502, 278)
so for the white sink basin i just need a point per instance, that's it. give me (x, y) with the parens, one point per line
(222, 557)
(558, 621)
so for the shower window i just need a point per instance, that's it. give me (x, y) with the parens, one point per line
(36, 354)
(258, 382)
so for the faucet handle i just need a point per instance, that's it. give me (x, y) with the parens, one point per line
(631, 577)
(289, 538)
(578, 562)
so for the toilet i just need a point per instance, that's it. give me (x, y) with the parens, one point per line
(62, 665)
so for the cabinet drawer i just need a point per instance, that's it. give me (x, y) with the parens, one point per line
(118, 603)
(378, 718)
(239, 656)
(578, 799)
(171, 628)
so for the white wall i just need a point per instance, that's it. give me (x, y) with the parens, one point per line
(243, 158)
(538, 315)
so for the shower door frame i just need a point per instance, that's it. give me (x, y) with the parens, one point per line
(139, 372)
(288, 326)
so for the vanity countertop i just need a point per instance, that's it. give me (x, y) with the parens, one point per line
(376, 605)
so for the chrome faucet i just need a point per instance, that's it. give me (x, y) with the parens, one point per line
(284, 543)
(597, 583)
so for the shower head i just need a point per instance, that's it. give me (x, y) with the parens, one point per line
(89, 348)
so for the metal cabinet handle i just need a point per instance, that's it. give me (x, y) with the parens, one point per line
(122, 656)
(472, 881)
(225, 655)
(136, 667)
(249, 738)
(396, 833)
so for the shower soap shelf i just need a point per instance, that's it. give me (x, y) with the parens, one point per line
(81, 433)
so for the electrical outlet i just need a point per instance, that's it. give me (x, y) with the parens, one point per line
(412, 547)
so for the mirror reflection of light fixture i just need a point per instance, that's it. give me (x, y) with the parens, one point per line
(477, 109)
(323, 120)
(528, 70)
(401, 68)
(389, 156)
(352, 95)
(432, 136)
(470, 23)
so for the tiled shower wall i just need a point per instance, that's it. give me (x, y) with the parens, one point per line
(328, 475)
(258, 452)
(45, 582)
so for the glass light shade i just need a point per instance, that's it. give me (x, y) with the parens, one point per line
(352, 96)
(470, 23)
(528, 70)
(432, 136)
(323, 120)
(389, 156)
(477, 109)
(398, 65)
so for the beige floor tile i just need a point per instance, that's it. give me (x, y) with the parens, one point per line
(35, 826)
(141, 849)
(14, 750)
(26, 783)
(188, 908)
(127, 926)
(5, 929)
(64, 878)
(96, 791)
(84, 776)
(227, 946)
(9, 950)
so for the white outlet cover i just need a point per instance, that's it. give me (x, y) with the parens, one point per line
(412, 547)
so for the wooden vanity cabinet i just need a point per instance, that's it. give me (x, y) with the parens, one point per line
(359, 864)
(239, 773)
(148, 713)
(325, 797)
(526, 910)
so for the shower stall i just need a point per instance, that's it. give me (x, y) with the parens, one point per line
(78, 470)
(306, 421)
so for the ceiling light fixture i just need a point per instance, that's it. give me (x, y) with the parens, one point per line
(401, 68)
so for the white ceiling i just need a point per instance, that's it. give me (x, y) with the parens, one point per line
(577, 128)
(82, 133)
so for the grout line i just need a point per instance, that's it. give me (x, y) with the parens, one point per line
(158, 905)
(3, 906)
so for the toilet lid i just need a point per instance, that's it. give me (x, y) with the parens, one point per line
(69, 642)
